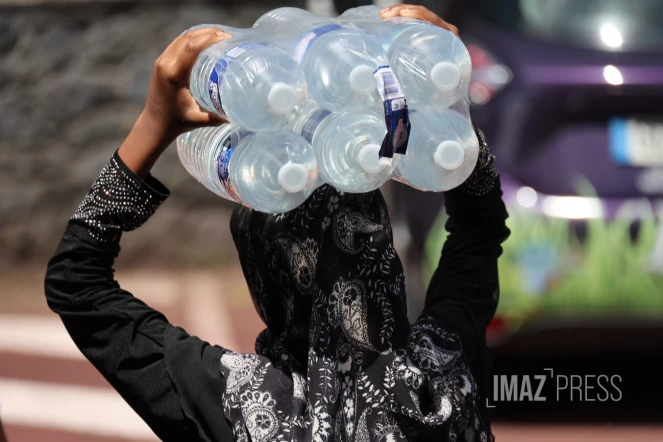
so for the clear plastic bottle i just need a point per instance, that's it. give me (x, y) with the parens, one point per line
(339, 62)
(346, 146)
(442, 153)
(196, 150)
(257, 86)
(271, 172)
(432, 65)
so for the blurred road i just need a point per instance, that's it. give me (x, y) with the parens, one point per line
(49, 392)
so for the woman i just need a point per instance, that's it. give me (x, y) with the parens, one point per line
(338, 359)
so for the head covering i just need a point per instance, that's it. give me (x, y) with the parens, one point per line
(339, 359)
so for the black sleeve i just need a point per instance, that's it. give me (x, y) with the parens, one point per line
(121, 336)
(464, 291)
(466, 276)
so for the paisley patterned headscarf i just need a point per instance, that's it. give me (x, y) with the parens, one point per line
(339, 360)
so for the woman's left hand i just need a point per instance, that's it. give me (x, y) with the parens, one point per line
(418, 13)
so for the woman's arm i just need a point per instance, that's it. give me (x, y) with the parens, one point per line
(120, 335)
(466, 275)
(464, 291)
(132, 345)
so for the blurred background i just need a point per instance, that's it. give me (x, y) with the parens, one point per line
(568, 93)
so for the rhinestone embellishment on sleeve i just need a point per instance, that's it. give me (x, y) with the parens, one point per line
(483, 178)
(115, 203)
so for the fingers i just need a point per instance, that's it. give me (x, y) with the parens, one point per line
(209, 119)
(191, 40)
(199, 117)
(200, 31)
(177, 60)
(191, 49)
(187, 36)
(423, 14)
(418, 13)
(208, 26)
(393, 10)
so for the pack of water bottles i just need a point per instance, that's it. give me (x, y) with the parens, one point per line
(351, 102)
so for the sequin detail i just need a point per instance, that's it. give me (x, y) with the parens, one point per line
(483, 178)
(116, 202)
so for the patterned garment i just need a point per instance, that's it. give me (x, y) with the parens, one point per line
(339, 360)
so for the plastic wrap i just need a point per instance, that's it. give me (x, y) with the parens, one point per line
(374, 99)
(434, 69)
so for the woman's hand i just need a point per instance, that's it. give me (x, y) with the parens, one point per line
(170, 109)
(169, 100)
(418, 13)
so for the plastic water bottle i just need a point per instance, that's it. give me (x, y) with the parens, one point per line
(339, 62)
(431, 63)
(442, 153)
(347, 146)
(271, 172)
(256, 86)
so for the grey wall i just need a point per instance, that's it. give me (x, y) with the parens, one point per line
(73, 78)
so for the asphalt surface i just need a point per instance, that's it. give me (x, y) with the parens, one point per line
(49, 392)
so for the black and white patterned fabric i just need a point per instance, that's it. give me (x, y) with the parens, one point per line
(339, 360)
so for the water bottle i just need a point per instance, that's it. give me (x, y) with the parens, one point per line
(431, 63)
(339, 62)
(271, 172)
(346, 146)
(442, 153)
(255, 85)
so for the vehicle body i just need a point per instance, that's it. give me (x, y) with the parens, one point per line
(568, 95)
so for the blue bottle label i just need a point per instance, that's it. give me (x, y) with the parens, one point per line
(312, 124)
(308, 39)
(223, 162)
(395, 112)
(216, 77)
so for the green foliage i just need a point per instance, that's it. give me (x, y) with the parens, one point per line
(606, 273)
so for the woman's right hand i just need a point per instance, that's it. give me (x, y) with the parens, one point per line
(170, 109)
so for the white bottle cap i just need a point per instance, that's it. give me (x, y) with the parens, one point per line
(369, 159)
(449, 155)
(293, 177)
(282, 98)
(362, 80)
(445, 76)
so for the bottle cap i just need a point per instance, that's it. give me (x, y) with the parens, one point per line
(449, 155)
(445, 76)
(293, 177)
(369, 159)
(362, 80)
(282, 98)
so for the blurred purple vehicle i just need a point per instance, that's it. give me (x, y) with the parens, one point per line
(569, 94)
